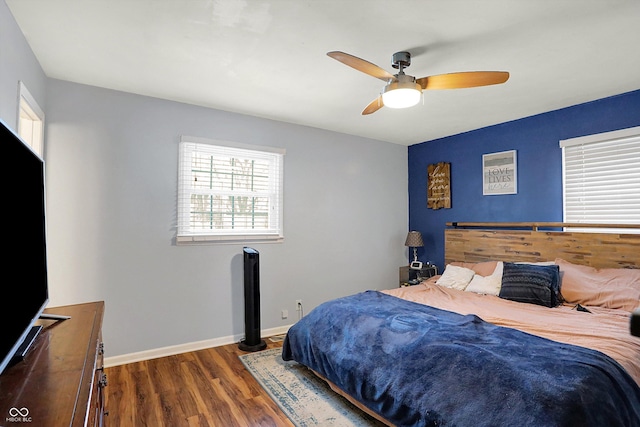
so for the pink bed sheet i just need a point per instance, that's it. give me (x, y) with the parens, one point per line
(605, 330)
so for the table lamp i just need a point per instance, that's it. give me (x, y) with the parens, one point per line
(414, 240)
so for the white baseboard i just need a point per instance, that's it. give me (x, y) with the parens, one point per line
(184, 348)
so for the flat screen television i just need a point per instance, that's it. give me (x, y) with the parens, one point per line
(23, 291)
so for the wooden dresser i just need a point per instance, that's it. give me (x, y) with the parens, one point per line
(60, 382)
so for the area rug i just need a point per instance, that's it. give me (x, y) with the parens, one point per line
(303, 397)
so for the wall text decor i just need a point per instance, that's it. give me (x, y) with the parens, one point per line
(499, 173)
(439, 185)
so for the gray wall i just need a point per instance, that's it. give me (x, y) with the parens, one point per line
(112, 180)
(17, 63)
(111, 204)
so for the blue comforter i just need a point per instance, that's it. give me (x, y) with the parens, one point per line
(417, 365)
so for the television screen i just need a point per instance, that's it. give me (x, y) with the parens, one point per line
(23, 290)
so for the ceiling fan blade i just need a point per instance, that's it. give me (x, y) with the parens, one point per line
(463, 80)
(373, 106)
(361, 65)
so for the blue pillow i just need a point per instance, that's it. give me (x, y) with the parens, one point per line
(533, 284)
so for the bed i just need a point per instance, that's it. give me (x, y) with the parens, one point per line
(524, 327)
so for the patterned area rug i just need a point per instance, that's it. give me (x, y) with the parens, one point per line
(303, 397)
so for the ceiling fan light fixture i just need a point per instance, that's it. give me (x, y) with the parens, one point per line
(401, 94)
(403, 90)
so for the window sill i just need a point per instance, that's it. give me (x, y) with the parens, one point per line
(214, 240)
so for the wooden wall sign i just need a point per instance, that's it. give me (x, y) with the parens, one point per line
(439, 186)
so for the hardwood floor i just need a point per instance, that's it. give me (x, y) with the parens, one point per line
(202, 388)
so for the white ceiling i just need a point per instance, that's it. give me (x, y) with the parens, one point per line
(267, 58)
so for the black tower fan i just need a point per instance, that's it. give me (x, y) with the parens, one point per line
(252, 340)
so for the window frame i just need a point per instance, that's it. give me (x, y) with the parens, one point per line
(30, 120)
(604, 143)
(274, 233)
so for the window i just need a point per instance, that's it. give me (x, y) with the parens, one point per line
(229, 192)
(601, 178)
(30, 121)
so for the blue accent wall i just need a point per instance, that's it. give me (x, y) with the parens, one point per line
(539, 160)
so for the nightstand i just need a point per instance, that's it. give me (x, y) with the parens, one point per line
(408, 274)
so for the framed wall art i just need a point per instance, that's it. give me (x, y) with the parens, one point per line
(499, 173)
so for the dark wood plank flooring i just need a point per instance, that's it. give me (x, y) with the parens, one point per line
(209, 387)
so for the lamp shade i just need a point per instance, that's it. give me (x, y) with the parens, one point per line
(414, 240)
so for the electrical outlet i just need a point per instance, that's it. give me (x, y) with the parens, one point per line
(285, 314)
(298, 305)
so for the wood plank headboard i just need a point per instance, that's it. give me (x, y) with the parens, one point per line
(477, 242)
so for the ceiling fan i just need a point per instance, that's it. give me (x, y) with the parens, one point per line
(403, 90)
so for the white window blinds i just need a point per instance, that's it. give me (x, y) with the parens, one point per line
(601, 178)
(229, 192)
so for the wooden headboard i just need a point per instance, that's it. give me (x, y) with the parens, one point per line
(519, 241)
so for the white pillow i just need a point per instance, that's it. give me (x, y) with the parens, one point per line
(455, 277)
(489, 285)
